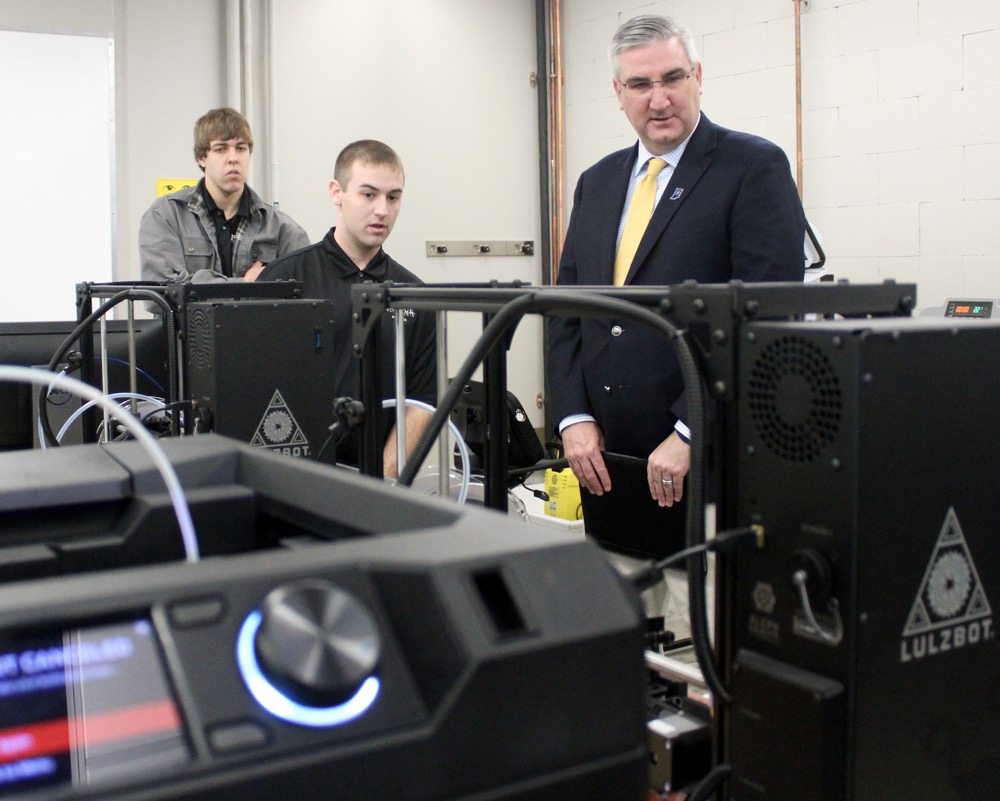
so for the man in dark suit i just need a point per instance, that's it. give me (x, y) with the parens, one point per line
(726, 207)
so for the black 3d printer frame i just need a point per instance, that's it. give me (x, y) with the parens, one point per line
(177, 296)
(711, 312)
(712, 315)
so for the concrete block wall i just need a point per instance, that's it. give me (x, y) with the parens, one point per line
(900, 121)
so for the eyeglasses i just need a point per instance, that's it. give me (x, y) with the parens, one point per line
(643, 87)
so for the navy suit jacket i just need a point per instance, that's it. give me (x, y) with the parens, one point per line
(730, 211)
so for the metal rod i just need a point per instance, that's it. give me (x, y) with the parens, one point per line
(798, 96)
(497, 426)
(104, 375)
(444, 442)
(674, 669)
(133, 385)
(399, 331)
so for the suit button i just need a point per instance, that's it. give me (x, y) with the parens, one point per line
(616, 330)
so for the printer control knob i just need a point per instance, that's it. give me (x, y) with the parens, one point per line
(316, 643)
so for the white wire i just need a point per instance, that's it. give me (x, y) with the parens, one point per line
(39, 377)
(799, 580)
(113, 396)
(463, 447)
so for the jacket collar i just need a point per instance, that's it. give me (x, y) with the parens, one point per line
(193, 199)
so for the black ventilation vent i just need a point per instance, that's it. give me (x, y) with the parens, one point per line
(499, 602)
(795, 399)
(199, 344)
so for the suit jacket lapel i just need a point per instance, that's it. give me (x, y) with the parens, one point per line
(609, 215)
(692, 166)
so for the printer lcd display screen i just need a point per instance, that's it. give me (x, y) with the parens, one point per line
(86, 706)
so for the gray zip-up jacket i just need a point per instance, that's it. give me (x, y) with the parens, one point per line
(177, 238)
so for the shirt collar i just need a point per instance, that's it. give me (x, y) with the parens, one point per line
(672, 157)
(243, 210)
(376, 269)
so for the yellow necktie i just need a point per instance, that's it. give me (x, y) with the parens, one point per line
(639, 212)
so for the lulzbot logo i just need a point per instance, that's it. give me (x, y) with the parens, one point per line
(278, 430)
(951, 610)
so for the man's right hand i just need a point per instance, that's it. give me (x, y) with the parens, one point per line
(583, 444)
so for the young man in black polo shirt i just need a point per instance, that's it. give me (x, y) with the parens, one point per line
(367, 189)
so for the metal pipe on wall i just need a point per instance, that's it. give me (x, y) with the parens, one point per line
(234, 71)
(272, 145)
(556, 122)
(247, 54)
(798, 96)
(539, 82)
(549, 84)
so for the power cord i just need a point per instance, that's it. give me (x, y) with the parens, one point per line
(651, 574)
(540, 494)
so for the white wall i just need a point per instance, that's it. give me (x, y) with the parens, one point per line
(901, 121)
(171, 69)
(37, 157)
(446, 84)
(168, 70)
(901, 172)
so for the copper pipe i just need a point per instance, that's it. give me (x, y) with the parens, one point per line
(556, 154)
(798, 96)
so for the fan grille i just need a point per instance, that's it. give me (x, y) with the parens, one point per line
(795, 399)
(199, 345)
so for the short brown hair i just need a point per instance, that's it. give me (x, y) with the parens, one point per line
(369, 151)
(220, 125)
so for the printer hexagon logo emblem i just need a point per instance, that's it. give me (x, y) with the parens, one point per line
(951, 610)
(279, 431)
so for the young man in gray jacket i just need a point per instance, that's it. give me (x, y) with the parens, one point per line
(219, 230)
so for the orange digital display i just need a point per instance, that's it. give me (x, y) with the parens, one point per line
(969, 308)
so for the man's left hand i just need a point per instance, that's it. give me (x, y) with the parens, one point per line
(253, 271)
(666, 469)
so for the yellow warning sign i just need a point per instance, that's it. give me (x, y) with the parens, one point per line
(164, 186)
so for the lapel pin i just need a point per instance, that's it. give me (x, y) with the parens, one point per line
(677, 193)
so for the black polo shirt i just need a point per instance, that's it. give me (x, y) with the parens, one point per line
(328, 273)
(226, 230)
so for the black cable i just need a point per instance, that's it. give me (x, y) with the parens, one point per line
(504, 319)
(348, 413)
(575, 302)
(85, 327)
(540, 494)
(819, 248)
(323, 447)
(168, 410)
(650, 574)
(545, 464)
(710, 783)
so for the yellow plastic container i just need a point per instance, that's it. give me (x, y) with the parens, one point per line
(563, 490)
